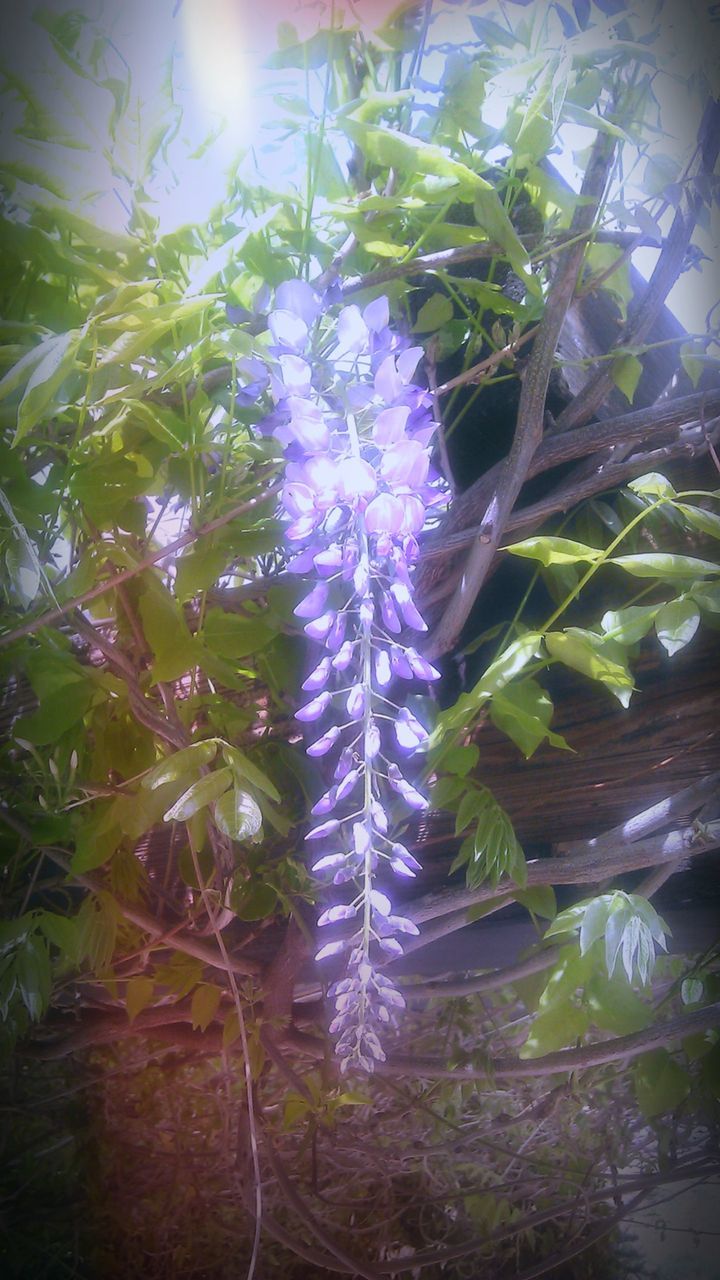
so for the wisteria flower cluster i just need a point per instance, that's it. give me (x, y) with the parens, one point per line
(356, 431)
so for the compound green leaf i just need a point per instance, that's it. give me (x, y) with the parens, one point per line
(200, 794)
(676, 624)
(177, 765)
(138, 995)
(551, 550)
(204, 1005)
(238, 815)
(665, 564)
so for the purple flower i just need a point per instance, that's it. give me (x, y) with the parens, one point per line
(333, 914)
(319, 677)
(389, 613)
(403, 788)
(355, 495)
(380, 902)
(325, 804)
(377, 314)
(307, 425)
(402, 597)
(330, 949)
(298, 297)
(320, 628)
(347, 785)
(336, 633)
(344, 656)
(324, 744)
(408, 731)
(352, 332)
(400, 663)
(344, 764)
(330, 861)
(390, 425)
(383, 673)
(407, 362)
(379, 817)
(372, 741)
(327, 562)
(325, 829)
(313, 603)
(405, 463)
(314, 709)
(288, 330)
(356, 702)
(357, 480)
(419, 666)
(404, 855)
(296, 376)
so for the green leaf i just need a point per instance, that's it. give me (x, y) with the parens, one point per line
(691, 991)
(167, 633)
(626, 372)
(395, 150)
(177, 765)
(579, 115)
(200, 569)
(557, 1027)
(24, 571)
(200, 794)
(434, 314)
(498, 674)
(628, 626)
(523, 711)
(446, 791)
(204, 1005)
(665, 564)
(582, 651)
(34, 176)
(234, 637)
(540, 900)
(706, 521)
(471, 805)
(254, 900)
(62, 932)
(550, 550)
(594, 922)
(652, 485)
(17, 375)
(615, 1007)
(138, 995)
(56, 362)
(676, 624)
(691, 358)
(238, 815)
(33, 976)
(567, 921)
(180, 974)
(311, 54)
(496, 850)
(244, 768)
(97, 840)
(385, 249)
(493, 217)
(660, 1083)
(707, 595)
(460, 761)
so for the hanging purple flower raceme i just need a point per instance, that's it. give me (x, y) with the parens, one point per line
(358, 481)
